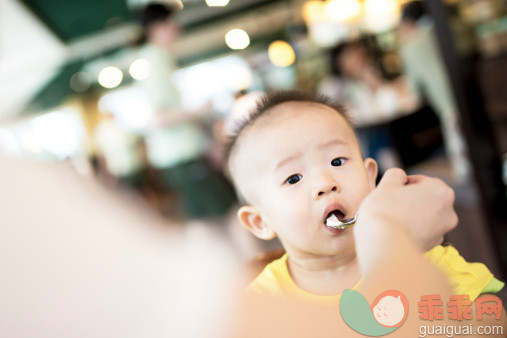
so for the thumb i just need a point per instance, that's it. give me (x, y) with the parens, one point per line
(393, 177)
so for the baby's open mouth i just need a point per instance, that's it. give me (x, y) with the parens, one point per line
(334, 218)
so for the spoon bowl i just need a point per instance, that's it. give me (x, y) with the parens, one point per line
(346, 223)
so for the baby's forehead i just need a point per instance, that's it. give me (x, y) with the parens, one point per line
(281, 117)
(284, 112)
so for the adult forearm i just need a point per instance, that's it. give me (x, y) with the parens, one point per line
(390, 260)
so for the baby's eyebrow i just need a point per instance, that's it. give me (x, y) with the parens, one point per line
(287, 160)
(333, 142)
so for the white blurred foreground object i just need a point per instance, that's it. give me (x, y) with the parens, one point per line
(77, 261)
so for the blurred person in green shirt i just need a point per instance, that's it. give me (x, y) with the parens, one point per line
(175, 144)
(427, 76)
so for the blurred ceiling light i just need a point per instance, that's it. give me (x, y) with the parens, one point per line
(140, 69)
(80, 82)
(281, 53)
(380, 15)
(237, 39)
(110, 77)
(342, 10)
(314, 11)
(217, 3)
(380, 7)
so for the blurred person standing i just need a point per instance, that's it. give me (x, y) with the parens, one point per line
(176, 144)
(426, 74)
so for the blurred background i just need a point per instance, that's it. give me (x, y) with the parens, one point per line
(141, 96)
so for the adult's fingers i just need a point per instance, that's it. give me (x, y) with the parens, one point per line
(393, 177)
(415, 178)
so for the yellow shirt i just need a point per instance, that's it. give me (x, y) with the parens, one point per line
(465, 278)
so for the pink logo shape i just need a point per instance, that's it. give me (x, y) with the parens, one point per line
(390, 308)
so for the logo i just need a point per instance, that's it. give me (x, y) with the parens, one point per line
(387, 312)
(459, 307)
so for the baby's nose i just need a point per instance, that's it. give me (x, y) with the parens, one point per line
(331, 188)
(325, 188)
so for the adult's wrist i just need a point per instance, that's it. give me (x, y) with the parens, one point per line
(378, 238)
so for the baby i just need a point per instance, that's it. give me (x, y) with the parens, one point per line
(295, 162)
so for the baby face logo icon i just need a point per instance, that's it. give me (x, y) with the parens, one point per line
(390, 308)
(387, 312)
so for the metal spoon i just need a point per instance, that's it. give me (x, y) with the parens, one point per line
(342, 224)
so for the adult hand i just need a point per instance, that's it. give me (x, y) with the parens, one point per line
(421, 205)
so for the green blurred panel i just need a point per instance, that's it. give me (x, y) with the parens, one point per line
(71, 19)
(56, 91)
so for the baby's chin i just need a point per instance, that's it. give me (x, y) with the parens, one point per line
(341, 245)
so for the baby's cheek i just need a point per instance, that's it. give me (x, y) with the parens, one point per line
(307, 231)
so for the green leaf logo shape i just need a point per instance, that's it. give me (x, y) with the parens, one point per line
(357, 313)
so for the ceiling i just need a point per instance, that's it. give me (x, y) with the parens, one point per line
(73, 19)
(87, 30)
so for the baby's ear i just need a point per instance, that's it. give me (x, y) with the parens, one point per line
(252, 220)
(372, 170)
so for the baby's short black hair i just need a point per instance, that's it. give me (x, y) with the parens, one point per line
(269, 101)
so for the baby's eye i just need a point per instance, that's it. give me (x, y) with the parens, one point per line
(293, 179)
(339, 161)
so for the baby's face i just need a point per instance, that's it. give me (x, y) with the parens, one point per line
(296, 165)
